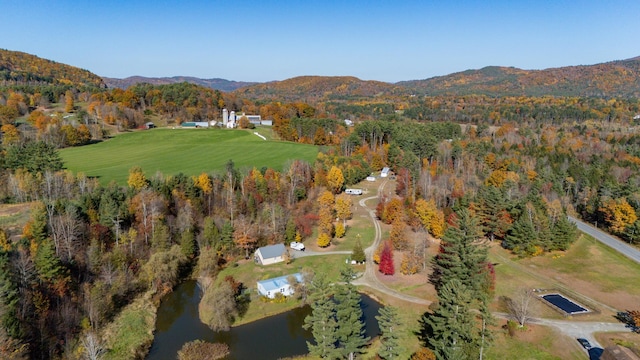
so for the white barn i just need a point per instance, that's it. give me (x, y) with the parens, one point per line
(279, 285)
(271, 254)
(385, 172)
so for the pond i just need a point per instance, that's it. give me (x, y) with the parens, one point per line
(270, 338)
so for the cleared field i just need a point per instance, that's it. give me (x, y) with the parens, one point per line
(187, 151)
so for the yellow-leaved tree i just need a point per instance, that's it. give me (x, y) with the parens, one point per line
(343, 208)
(326, 212)
(68, 101)
(137, 180)
(335, 179)
(324, 240)
(618, 214)
(431, 218)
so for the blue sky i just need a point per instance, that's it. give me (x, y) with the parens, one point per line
(275, 40)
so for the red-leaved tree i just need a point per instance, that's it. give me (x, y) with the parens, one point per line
(386, 260)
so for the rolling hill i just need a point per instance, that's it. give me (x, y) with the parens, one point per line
(19, 68)
(319, 88)
(187, 151)
(217, 84)
(612, 79)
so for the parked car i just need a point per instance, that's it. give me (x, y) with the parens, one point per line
(371, 178)
(585, 343)
(297, 246)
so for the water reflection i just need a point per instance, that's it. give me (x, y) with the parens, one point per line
(270, 338)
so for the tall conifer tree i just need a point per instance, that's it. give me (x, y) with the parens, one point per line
(389, 328)
(461, 256)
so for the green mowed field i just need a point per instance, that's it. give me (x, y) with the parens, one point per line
(187, 151)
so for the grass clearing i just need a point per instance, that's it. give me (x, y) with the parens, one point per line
(588, 270)
(130, 334)
(249, 273)
(533, 343)
(187, 151)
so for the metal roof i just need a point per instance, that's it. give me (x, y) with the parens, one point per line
(279, 282)
(271, 251)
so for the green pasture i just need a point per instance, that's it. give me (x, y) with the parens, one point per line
(187, 151)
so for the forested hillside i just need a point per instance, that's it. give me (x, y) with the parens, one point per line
(314, 89)
(613, 79)
(18, 68)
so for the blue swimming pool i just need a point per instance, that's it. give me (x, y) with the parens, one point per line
(564, 304)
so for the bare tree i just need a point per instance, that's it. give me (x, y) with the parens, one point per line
(521, 306)
(92, 346)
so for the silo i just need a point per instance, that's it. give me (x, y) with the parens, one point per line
(225, 117)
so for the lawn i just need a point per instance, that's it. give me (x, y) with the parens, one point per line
(187, 151)
(535, 342)
(248, 273)
(589, 272)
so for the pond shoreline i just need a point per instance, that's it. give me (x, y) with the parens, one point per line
(278, 334)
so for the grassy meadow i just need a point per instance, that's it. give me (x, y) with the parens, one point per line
(187, 151)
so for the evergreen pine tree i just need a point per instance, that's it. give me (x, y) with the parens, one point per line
(47, 264)
(351, 330)
(226, 236)
(210, 235)
(8, 298)
(290, 231)
(188, 244)
(322, 321)
(451, 329)
(390, 328)
(522, 238)
(564, 233)
(460, 256)
(493, 211)
(358, 253)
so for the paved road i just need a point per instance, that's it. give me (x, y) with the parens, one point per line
(618, 245)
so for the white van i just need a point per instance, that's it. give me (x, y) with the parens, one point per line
(353, 191)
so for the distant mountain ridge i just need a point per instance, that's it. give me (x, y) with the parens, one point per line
(216, 83)
(319, 88)
(619, 78)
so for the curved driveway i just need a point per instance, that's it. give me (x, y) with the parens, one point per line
(369, 278)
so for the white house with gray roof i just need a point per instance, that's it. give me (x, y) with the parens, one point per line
(279, 285)
(271, 254)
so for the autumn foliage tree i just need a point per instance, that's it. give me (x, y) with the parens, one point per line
(137, 180)
(398, 235)
(386, 260)
(335, 179)
(618, 214)
(343, 204)
(326, 212)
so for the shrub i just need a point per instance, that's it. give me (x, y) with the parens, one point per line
(202, 350)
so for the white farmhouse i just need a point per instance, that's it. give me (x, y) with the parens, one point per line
(271, 254)
(279, 285)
